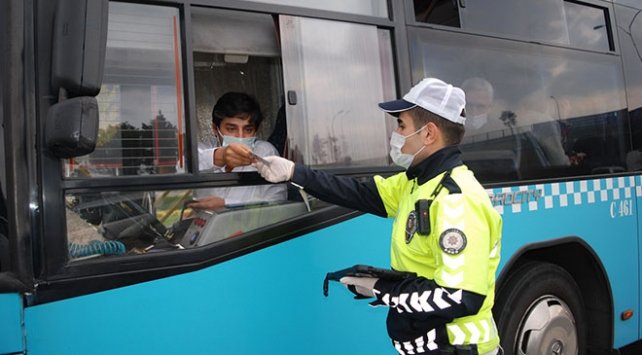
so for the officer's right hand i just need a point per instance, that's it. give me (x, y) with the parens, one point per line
(275, 169)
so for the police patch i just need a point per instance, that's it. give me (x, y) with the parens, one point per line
(411, 226)
(452, 241)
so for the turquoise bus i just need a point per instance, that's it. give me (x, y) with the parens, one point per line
(106, 105)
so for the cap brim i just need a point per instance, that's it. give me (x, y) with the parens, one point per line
(396, 106)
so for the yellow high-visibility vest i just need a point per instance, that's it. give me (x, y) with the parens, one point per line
(462, 249)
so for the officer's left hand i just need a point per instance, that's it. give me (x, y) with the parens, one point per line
(275, 169)
(360, 286)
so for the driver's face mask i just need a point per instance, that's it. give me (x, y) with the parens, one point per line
(227, 140)
(397, 141)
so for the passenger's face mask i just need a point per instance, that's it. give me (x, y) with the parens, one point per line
(397, 141)
(227, 140)
(477, 121)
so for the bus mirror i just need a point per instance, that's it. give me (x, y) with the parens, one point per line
(72, 127)
(79, 46)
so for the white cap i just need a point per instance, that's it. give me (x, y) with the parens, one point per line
(434, 95)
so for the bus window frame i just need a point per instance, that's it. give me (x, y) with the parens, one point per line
(423, 32)
(61, 279)
(607, 6)
(18, 72)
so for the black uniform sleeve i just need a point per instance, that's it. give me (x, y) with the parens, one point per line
(340, 190)
(421, 298)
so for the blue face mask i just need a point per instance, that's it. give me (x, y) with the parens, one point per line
(248, 141)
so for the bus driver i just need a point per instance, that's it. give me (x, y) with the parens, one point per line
(235, 120)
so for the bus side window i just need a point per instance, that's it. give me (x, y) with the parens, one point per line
(630, 36)
(553, 111)
(141, 99)
(440, 12)
(336, 120)
(546, 21)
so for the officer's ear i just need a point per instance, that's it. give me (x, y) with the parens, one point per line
(431, 133)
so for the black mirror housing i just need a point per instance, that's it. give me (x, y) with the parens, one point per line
(79, 46)
(71, 129)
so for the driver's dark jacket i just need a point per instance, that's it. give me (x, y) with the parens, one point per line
(448, 305)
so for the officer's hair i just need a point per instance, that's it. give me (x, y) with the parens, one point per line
(453, 132)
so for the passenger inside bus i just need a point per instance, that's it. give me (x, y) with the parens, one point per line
(479, 101)
(511, 141)
(490, 146)
(236, 118)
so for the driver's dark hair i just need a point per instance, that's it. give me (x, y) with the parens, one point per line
(237, 104)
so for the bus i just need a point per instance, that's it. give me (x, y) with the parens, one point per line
(105, 106)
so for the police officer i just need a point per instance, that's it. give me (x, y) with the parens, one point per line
(445, 228)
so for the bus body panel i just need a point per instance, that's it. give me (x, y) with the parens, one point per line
(601, 212)
(267, 301)
(11, 334)
(227, 306)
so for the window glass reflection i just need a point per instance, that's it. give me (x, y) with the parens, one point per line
(104, 224)
(337, 120)
(141, 100)
(541, 20)
(534, 111)
(548, 21)
(587, 26)
(629, 28)
(378, 8)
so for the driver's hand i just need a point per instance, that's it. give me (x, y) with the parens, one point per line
(236, 154)
(207, 203)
